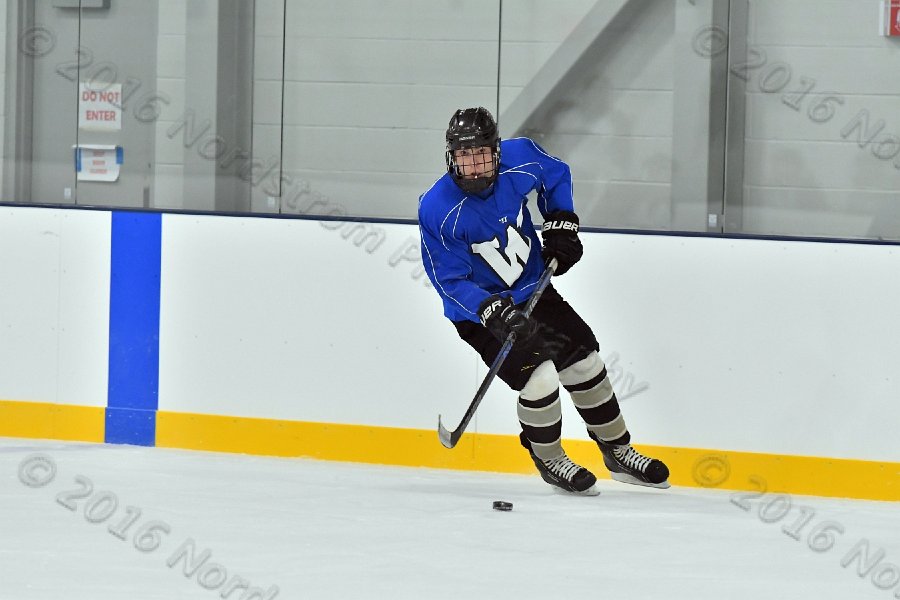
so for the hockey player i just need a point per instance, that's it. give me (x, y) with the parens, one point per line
(484, 258)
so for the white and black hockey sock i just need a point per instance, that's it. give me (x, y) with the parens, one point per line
(592, 393)
(540, 413)
(541, 422)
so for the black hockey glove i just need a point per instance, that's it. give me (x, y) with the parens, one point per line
(501, 317)
(560, 233)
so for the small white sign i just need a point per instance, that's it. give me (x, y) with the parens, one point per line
(100, 107)
(96, 162)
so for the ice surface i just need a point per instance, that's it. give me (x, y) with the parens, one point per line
(344, 531)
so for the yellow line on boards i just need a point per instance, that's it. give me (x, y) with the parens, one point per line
(44, 420)
(691, 467)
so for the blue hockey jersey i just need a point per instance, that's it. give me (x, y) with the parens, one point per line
(474, 246)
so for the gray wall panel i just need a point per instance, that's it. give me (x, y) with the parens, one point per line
(825, 166)
(603, 158)
(624, 203)
(837, 213)
(393, 19)
(361, 149)
(814, 22)
(378, 104)
(464, 63)
(808, 178)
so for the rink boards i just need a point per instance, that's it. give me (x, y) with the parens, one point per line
(736, 360)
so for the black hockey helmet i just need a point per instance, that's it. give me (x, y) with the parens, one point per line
(472, 128)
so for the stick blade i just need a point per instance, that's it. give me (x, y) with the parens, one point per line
(448, 438)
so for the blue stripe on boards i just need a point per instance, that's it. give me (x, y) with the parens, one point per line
(134, 328)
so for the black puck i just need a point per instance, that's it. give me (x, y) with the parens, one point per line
(501, 505)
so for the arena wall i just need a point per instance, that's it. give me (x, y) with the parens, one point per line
(735, 360)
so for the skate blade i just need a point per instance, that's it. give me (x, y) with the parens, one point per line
(591, 491)
(626, 478)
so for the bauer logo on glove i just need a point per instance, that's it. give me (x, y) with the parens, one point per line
(488, 309)
(501, 317)
(560, 232)
(565, 225)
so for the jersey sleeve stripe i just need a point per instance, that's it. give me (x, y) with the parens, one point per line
(523, 172)
(538, 148)
(522, 289)
(520, 166)
(458, 212)
(457, 208)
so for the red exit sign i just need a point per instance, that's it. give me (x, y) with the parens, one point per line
(890, 18)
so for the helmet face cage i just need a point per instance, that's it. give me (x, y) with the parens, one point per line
(473, 128)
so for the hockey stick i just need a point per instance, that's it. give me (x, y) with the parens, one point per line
(450, 438)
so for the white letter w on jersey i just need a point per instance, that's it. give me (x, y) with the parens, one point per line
(509, 263)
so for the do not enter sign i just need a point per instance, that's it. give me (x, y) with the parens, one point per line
(100, 107)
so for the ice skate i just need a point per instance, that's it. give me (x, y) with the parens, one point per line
(627, 465)
(563, 473)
